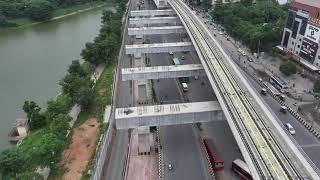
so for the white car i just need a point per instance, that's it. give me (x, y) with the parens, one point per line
(290, 129)
(170, 166)
(171, 53)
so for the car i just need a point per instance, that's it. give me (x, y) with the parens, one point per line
(221, 33)
(170, 167)
(182, 57)
(171, 53)
(283, 109)
(215, 28)
(250, 59)
(243, 53)
(290, 128)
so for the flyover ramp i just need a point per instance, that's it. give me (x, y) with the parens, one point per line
(162, 72)
(169, 114)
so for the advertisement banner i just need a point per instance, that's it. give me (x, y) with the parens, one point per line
(312, 33)
(308, 51)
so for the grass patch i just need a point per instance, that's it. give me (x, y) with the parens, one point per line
(103, 89)
(82, 117)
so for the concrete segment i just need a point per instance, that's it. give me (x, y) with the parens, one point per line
(156, 30)
(163, 12)
(169, 114)
(159, 47)
(162, 72)
(153, 20)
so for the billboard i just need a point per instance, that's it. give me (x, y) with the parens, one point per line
(312, 33)
(308, 50)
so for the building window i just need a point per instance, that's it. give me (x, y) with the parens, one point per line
(292, 43)
(298, 46)
(299, 39)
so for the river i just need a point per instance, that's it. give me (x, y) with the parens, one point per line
(34, 59)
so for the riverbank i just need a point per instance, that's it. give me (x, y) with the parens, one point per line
(58, 14)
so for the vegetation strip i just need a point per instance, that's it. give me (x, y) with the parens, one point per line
(49, 129)
(39, 11)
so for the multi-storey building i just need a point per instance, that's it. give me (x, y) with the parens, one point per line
(301, 36)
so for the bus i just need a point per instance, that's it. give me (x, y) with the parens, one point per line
(272, 89)
(241, 168)
(176, 61)
(278, 83)
(215, 157)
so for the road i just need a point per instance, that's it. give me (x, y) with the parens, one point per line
(113, 169)
(304, 138)
(181, 148)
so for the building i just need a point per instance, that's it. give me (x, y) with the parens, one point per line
(301, 34)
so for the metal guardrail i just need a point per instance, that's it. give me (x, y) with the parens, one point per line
(160, 156)
(104, 148)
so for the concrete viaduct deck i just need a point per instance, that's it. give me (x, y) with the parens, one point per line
(153, 20)
(159, 47)
(156, 30)
(162, 12)
(162, 72)
(169, 114)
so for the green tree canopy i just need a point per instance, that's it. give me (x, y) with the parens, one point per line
(60, 125)
(39, 10)
(86, 97)
(288, 68)
(40, 148)
(11, 162)
(76, 69)
(253, 22)
(72, 83)
(316, 87)
(36, 119)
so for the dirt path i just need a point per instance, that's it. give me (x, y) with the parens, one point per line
(75, 159)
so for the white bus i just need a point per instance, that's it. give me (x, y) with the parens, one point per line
(242, 169)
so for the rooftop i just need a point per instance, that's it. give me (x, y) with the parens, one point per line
(309, 5)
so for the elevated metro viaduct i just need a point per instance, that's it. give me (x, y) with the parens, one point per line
(310, 172)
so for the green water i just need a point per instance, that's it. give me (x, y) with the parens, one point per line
(34, 59)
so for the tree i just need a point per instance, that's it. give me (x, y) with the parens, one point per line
(36, 119)
(288, 68)
(76, 69)
(206, 4)
(59, 126)
(316, 87)
(72, 83)
(41, 149)
(85, 97)
(29, 176)
(106, 16)
(11, 162)
(39, 10)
